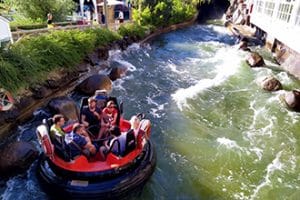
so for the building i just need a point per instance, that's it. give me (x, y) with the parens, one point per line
(280, 19)
(5, 33)
(86, 9)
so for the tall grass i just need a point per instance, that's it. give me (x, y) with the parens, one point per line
(29, 60)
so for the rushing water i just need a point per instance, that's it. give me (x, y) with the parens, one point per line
(217, 134)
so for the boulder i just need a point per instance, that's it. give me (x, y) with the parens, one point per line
(65, 106)
(117, 72)
(271, 84)
(103, 53)
(255, 60)
(40, 91)
(11, 115)
(122, 44)
(93, 83)
(292, 100)
(83, 67)
(17, 158)
(92, 59)
(52, 84)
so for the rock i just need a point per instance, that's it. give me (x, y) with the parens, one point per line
(11, 115)
(93, 83)
(128, 40)
(83, 67)
(292, 100)
(103, 53)
(271, 84)
(40, 91)
(52, 84)
(25, 101)
(122, 44)
(17, 158)
(65, 106)
(103, 66)
(244, 46)
(70, 77)
(117, 72)
(255, 60)
(92, 59)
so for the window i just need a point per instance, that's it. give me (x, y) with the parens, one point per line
(269, 8)
(284, 11)
(297, 23)
(259, 6)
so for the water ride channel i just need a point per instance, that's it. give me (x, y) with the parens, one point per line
(216, 133)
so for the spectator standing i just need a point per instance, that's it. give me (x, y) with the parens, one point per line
(121, 17)
(102, 18)
(49, 20)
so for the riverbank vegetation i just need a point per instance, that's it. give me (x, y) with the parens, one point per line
(29, 60)
(165, 12)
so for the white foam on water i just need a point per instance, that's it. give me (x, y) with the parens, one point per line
(113, 53)
(256, 113)
(230, 63)
(284, 78)
(134, 47)
(294, 117)
(155, 111)
(118, 85)
(271, 64)
(219, 29)
(128, 65)
(271, 168)
(229, 144)
(267, 130)
(174, 69)
(258, 152)
(116, 55)
(276, 97)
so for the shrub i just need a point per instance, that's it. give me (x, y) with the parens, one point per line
(28, 27)
(133, 30)
(165, 13)
(26, 61)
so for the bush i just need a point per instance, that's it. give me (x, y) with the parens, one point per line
(28, 27)
(165, 13)
(133, 30)
(26, 61)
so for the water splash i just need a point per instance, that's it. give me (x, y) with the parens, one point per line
(229, 63)
(271, 168)
(229, 144)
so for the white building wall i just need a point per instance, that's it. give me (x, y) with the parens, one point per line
(280, 19)
(5, 33)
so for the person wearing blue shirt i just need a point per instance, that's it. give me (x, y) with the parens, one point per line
(79, 143)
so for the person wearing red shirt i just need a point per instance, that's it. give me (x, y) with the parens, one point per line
(111, 111)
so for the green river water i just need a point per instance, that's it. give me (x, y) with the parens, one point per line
(217, 134)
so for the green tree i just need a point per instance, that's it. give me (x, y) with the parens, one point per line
(160, 13)
(38, 9)
(6, 5)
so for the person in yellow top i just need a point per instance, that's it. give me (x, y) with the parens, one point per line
(56, 129)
